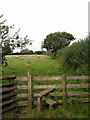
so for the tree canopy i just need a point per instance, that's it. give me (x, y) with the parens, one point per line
(57, 40)
(9, 43)
(26, 51)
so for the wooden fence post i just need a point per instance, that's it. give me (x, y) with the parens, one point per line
(29, 86)
(64, 89)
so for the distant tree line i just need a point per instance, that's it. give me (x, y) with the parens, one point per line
(28, 52)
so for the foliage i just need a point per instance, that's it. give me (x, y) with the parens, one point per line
(39, 52)
(9, 43)
(76, 54)
(57, 40)
(26, 51)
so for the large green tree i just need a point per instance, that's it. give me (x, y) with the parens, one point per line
(57, 40)
(8, 43)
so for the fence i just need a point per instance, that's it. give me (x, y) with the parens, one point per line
(7, 93)
(67, 88)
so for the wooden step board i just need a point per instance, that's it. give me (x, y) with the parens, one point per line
(44, 92)
(51, 103)
(40, 95)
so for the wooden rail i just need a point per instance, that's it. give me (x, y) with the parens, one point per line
(25, 95)
(7, 93)
(46, 78)
(63, 85)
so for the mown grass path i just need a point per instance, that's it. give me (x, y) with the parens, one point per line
(41, 65)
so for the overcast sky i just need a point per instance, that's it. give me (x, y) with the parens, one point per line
(38, 18)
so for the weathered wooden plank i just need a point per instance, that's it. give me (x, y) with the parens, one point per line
(61, 86)
(8, 95)
(56, 94)
(8, 89)
(7, 77)
(46, 78)
(21, 79)
(23, 103)
(7, 102)
(22, 95)
(61, 101)
(84, 99)
(77, 77)
(7, 84)
(22, 87)
(64, 90)
(14, 105)
(43, 93)
(76, 93)
(78, 85)
(50, 102)
(29, 87)
(78, 100)
(47, 86)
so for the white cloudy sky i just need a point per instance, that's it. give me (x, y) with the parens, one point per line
(38, 18)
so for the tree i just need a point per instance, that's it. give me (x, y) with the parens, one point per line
(39, 52)
(57, 40)
(9, 43)
(26, 51)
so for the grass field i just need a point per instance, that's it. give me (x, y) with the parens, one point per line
(44, 66)
(41, 65)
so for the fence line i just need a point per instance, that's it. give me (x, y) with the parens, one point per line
(64, 86)
(10, 97)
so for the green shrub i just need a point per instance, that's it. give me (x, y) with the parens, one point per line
(76, 54)
(38, 52)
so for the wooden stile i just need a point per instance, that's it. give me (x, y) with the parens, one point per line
(44, 93)
(47, 89)
(63, 86)
(39, 97)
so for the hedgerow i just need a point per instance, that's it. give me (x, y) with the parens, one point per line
(76, 54)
